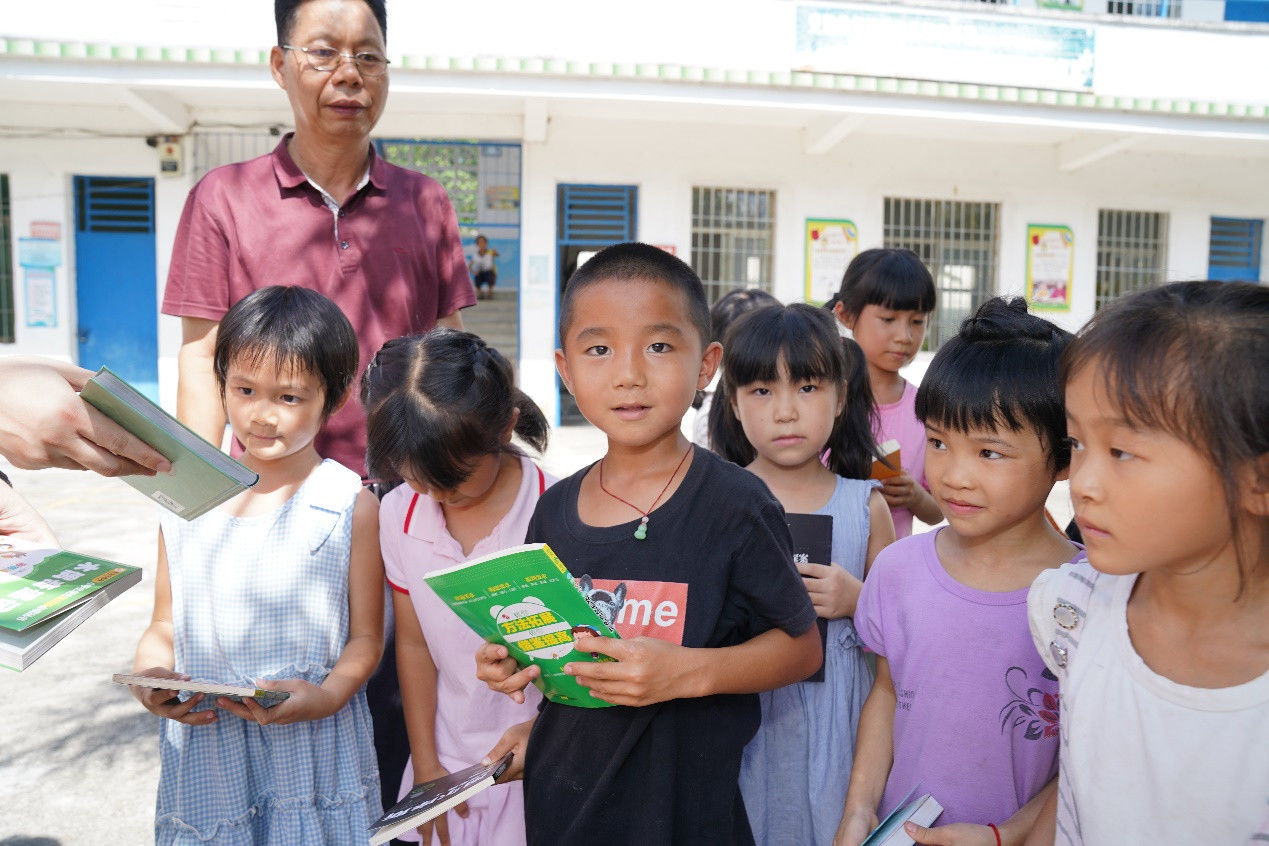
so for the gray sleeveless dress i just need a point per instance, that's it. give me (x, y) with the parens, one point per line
(795, 771)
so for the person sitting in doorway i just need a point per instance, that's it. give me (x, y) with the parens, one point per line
(482, 267)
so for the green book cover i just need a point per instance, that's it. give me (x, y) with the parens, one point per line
(524, 598)
(45, 594)
(202, 476)
(38, 584)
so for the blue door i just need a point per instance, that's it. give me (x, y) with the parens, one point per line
(1233, 253)
(588, 218)
(115, 285)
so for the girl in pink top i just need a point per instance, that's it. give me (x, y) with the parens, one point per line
(442, 410)
(885, 300)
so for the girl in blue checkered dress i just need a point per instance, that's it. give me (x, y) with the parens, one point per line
(280, 588)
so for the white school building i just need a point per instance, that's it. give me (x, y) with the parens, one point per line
(1064, 150)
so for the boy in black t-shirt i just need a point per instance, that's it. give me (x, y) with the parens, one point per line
(689, 554)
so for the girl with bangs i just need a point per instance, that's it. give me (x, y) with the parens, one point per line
(886, 299)
(791, 390)
(280, 588)
(962, 707)
(443, 408)
(1160, 640)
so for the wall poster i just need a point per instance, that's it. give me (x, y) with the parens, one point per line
(1050, 266)
(830, 245)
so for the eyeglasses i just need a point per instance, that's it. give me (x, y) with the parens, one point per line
(327, 59)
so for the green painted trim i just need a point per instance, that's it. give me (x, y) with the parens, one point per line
(54, 50)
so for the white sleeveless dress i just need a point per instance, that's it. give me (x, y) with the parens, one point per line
(266, 597)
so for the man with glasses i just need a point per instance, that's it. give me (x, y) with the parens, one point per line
(323, 211)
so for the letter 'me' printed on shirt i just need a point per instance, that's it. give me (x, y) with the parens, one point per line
(645, 609)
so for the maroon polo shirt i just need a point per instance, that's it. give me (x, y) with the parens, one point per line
(392, 260)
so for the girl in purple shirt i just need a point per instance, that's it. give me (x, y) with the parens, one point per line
(962, 707)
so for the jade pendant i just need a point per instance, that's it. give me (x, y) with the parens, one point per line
(642, 531)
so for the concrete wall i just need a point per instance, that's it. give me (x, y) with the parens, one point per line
(41, 175)
(665, 160)
(851, 181)
(1133, 56)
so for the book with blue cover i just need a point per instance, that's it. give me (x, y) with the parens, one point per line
(923, 810)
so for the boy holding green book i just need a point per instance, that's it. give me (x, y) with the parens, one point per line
(692, 558)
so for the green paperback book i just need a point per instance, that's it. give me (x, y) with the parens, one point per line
(202, 476)
(524, 598)
(46, 593)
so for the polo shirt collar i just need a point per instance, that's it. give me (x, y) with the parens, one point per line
(424, 518)
(378, 170)
(284, 167)
(289, 175)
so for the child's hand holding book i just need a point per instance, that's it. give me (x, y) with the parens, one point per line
(496, 668)
(514, 740)
(440, 824)
(646, 670)
(855, 827)
(306, 701)
(834, 592)
(953, 834)
(166, 703)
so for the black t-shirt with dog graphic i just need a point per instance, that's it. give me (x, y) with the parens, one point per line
(715, 570)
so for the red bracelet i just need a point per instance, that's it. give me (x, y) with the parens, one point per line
(996, 832)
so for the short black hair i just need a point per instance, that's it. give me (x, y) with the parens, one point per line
(735, 304)
(889, 277)
(439, 402)
(1001, 369)
(290, 327)
(636, 261)
(805, 340)
(1190, 359)
(284, 12)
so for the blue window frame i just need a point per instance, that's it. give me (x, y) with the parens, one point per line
(1233, 252)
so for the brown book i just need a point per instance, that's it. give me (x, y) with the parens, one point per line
(890, 452)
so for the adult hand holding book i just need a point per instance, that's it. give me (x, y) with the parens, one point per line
(202, 476)
(50, 427)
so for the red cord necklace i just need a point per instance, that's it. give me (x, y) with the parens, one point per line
(642, 531)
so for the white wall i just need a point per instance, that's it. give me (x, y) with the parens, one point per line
(41, 175)
(665, 160)
(1138, 57)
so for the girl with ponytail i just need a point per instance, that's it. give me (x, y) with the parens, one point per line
(443, 409)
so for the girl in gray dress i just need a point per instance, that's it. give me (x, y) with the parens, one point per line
(796, 408)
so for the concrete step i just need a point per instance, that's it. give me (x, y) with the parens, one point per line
(497, 321)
